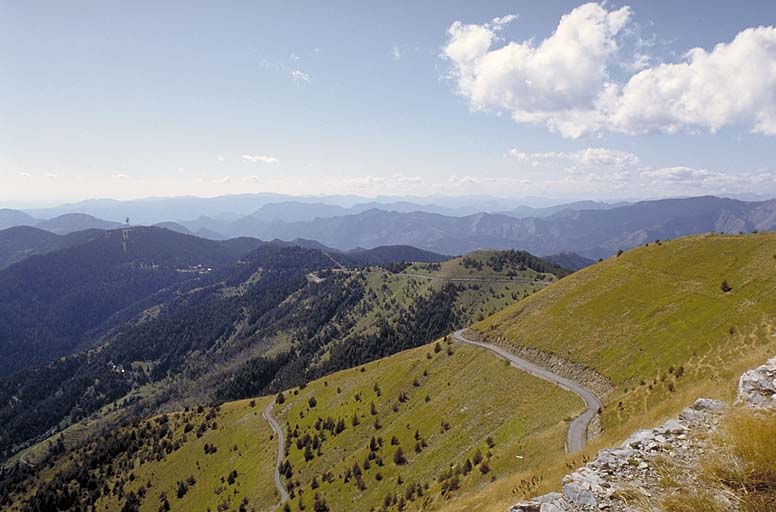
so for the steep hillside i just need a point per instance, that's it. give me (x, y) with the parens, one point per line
(653, 308)
(365, 313)
(711, 458)
(661, 324)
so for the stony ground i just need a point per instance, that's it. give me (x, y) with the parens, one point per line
(640, 473)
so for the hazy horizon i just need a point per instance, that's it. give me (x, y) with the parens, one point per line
(349, 200)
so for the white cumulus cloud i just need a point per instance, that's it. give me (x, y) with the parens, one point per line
(565, 81)
(733, 84)
(260, 158)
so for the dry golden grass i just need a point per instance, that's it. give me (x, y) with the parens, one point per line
(745, 461)
(692, 502)
(741, 467)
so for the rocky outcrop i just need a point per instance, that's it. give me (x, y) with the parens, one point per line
(619, 479)
(757, 388)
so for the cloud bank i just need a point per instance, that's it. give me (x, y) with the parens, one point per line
(568, 81)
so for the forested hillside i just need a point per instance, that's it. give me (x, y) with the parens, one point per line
(50, 303)
(275, 318)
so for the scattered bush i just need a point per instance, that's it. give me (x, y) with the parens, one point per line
(398, 457)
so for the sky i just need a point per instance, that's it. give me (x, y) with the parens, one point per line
(615, 100)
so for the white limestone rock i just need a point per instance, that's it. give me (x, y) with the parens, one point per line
(757, 388)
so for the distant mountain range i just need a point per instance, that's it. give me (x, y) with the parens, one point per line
(10, 218)
(21, 242)
(278, 206)
(60, 225)
(591, 233)
(589, 229)
(522, 212)
(70, 222)
(271, 207)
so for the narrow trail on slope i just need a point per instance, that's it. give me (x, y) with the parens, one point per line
(577, 433)
(281, 444)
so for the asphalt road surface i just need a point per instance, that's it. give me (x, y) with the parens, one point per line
(281, 443)
(577, 433)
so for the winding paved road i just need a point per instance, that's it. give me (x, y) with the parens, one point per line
(577, 434)
(281, 444)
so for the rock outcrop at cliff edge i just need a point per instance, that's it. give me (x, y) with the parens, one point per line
(757, 388)
(620, 479)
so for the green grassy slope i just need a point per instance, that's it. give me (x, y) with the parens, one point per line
(459, 401)
(656, 323)
(655, 309)
(454, 402)
(168, 452)
(244, 444)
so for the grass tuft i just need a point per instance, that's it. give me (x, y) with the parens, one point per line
(745, 462)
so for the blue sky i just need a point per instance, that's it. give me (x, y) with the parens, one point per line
(132, 99)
